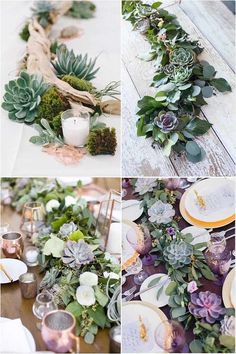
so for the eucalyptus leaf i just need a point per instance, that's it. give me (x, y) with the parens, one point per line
(208, 71)
(154, 282)
(221, 85)
(207, 91)
(89, 338)
(171, 287)
(192, 148)
(196, 346)
(227, 341)
(178, 311)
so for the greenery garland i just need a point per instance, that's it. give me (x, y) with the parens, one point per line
(185, 265)
(183, 82)
(69, 229)
(29, 100)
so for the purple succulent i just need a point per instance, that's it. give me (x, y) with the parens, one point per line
(77, 254)
(166, 121)
(171, 231)
(206, 305)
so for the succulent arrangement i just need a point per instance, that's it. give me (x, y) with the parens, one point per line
(182, 82)
(29, 100)
(186, 266)
(77, 272)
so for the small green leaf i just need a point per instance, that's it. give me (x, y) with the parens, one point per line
(98, 316)
(154, 282)
(228, 342)
(76, 235)
(221, 85)
(178, 311)
(196, 346)
(156, 4)
(102, 299)
(208, 71)
(75, 308)
(159, 292)
(171, 287)
(207, 273)
(198, 126)
(207, 91)
(196, 90)
(192, 148)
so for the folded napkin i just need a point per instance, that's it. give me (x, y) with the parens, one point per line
(13, 337)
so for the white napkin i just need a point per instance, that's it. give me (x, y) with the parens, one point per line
(13, 337)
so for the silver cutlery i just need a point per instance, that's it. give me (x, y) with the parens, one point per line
(130, 205)
(130, 291)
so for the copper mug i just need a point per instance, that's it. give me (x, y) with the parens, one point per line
(12, 244)
(58, 331)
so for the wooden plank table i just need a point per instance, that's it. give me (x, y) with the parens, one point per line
(212, 24)
(14, 306)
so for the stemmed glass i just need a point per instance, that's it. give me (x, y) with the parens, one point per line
(44, 303)
(170, 336)
(141, 243)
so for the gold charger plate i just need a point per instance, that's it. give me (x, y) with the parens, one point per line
(200, 223)
(227, 289)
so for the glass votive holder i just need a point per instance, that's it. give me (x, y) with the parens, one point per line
(33, 216)
(75, 127)
(31, 256)
(4, 228)
(115, 339)
(28, 285)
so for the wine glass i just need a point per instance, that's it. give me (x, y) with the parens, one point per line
(44, 303)
(170, 336)
(141, 244)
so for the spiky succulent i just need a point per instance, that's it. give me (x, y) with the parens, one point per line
(77, 254)
(182, 57)
(42, 10)
(49, 278)
(67, 63)
(181, 75)
(207, 306)
(23, 96)
(178, 254)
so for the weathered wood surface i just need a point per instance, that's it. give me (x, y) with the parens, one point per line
(219, 143)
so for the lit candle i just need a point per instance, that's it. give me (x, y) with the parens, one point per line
(75, 128)
(114, 238)
(31, 255)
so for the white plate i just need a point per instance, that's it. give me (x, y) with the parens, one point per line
(14, 268)
(131, 209)
(151, 317)
(218, 194)
(204, 235)
(233, 291)
(127, 249)
(151, 295)
(72, 181)
(29, 337)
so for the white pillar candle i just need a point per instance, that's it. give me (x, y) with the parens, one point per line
(75, 131)
(114, 238)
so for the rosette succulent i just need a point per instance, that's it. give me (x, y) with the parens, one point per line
(144, 185)
(23, 96)
(182, 57)
(166, 121)
(181, 75)
(178, 254)
(67, 63)
(206, 305)
(169, 69)
(228, 326)
(67, 229)
(77, 254)
(161, 213)
(42, 10)
(143, 25)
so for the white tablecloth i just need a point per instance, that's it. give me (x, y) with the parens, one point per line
(101, 36)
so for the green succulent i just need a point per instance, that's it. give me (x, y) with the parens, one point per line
(82, 9)
(102, 141)
(41, 11)
(169, 69)
(23, 97)
(178, 254)
(181, 75)
(78, 84)
(182, 57)
(67, 63)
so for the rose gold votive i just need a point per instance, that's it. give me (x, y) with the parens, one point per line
(12, 244)
(58, 331)
(28, 285)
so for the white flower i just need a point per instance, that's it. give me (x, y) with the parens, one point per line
(111, 275)
(85, 295)
(69, 200)
(161, 213)
(144, 185)
(88, 278)
(52, 204)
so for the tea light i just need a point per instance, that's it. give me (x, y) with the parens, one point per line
(31, 256)
(75, 127)
(115, 339)
(114, 239)
(28, 285)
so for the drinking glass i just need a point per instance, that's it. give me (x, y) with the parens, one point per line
(170, 336)
(44, 303)
(141, 243)
(33, 216)
(4, 228)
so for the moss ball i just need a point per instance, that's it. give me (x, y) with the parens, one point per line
(52, 103)
(24, 33)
